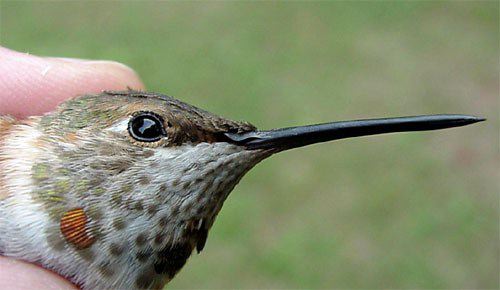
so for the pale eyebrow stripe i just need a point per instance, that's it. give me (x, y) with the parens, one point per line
(120, 126)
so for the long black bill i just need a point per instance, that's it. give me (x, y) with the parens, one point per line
(293, 137)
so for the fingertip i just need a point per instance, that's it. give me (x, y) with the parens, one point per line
(19, 275)
(32, 85)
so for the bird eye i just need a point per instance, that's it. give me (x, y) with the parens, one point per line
(146, 127)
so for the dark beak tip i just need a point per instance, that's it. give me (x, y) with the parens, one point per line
(473, 119)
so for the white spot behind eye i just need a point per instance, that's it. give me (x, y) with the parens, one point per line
(120, 126)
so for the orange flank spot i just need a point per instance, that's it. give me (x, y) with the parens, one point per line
(74, 225)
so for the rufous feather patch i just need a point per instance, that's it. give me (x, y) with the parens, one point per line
(74, 225)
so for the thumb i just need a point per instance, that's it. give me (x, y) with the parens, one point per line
(32, 85)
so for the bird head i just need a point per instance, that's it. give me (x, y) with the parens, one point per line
(132, 181)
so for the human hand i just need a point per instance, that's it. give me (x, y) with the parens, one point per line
(32, 85)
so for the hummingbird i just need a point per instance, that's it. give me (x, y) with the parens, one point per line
(116, 190)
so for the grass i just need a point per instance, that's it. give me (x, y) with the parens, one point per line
(402, 211)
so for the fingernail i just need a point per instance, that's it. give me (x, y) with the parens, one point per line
(108, 64)
(92, 62)
(116, 64)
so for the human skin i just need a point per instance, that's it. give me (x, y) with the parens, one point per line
(32, 85)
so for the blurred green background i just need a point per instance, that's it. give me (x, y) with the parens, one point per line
(416, 210)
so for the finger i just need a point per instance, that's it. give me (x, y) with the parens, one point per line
(32, 85)
(19, 275)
